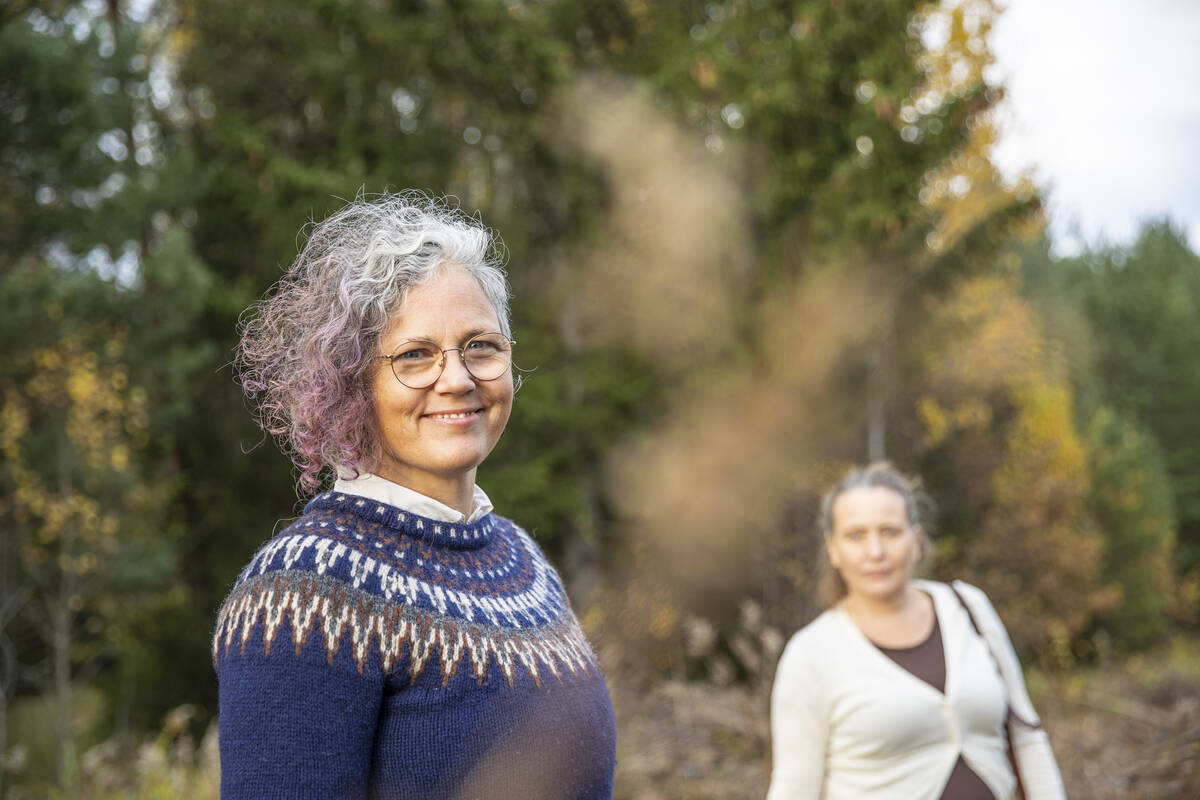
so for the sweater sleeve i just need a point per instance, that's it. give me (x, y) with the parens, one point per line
(294, 732)
(798, 728)
(292, 724)
(1031, 746)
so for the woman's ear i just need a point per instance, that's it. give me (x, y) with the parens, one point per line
(831, 553)
(919, 550)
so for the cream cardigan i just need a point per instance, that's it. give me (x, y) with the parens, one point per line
(847, 722)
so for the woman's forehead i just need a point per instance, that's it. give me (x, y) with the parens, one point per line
(869, 502)
(451, 303)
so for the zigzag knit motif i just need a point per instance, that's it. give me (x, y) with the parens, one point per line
(385, 582)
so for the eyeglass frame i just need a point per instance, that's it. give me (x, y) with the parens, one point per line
(391, 358)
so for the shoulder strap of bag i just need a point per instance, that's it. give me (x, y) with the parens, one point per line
(987, 642)
(1011, 716)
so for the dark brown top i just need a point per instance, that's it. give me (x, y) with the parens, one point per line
(927, 661)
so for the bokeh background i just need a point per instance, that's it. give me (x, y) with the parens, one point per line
(752, 242)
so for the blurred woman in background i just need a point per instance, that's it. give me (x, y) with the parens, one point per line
(902, 688)
(399, 639)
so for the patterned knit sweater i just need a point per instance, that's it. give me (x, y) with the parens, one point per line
(366, 652)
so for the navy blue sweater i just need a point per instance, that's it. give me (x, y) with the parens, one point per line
(366, 652)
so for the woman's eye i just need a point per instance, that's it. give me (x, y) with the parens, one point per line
(414, 354)
(482, 347)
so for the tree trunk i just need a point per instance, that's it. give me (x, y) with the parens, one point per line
(876, 424)
(7, 661)
(3, 709)
(61, 620)
(61, 648)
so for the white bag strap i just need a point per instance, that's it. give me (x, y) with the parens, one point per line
(1014, 684)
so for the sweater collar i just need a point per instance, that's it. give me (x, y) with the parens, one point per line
(376, 487)
(439, 533)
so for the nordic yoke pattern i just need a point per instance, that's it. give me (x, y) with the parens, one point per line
(367, 652)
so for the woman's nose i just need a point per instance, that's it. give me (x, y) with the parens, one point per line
(455, 377)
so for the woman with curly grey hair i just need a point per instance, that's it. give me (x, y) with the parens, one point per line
(399, 639)
(903, 688)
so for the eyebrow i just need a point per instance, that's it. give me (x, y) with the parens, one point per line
(470, 334)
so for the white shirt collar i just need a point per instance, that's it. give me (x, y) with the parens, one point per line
(374, 487)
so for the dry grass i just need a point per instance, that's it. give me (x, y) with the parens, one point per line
(1131, 731)
(691, 740)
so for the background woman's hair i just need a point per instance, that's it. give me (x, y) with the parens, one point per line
(918, 508)
(307, 352)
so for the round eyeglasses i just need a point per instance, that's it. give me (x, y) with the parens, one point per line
(418, 364)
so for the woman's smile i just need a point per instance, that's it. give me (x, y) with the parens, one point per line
(469, 415)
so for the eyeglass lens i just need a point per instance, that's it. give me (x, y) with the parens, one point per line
(418, 364)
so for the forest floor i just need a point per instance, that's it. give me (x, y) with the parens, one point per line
(1128, 730)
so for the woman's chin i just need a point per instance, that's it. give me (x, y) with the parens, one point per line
(456, 467)
(881, 590)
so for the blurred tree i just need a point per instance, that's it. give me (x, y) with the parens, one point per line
(974, 212)
(1131, 500)
(966, 189)
(60, 129)
(1131, 497)
(82, 518)
(1007, 468)
(101, 290)
(1143, 303)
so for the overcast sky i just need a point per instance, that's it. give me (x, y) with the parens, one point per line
(1104, 104)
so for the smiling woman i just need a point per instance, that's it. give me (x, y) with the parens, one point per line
(399, 639)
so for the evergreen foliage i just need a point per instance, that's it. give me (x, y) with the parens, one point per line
(1131, 501)
(1144, 305)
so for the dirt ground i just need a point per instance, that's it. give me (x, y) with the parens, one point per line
(1126, 731)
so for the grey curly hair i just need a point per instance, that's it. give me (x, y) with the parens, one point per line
(307, 352)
